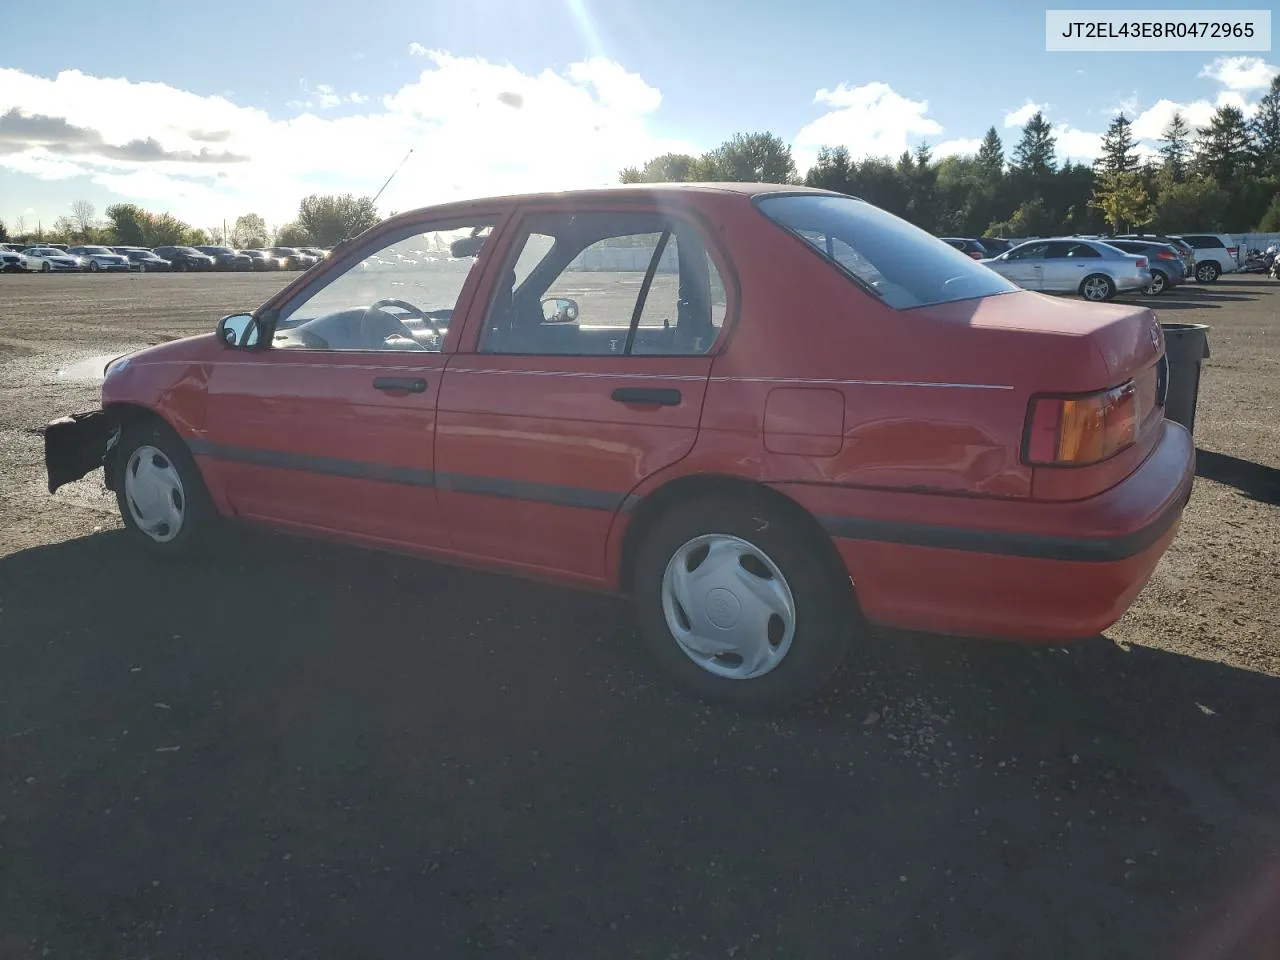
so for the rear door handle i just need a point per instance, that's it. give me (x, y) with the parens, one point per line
(664, 396)
(403, 384)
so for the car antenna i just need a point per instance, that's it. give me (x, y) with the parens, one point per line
(393, 173)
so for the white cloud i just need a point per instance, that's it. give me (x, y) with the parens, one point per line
(1244, 74)
(417, 50)
(871, 120)
(1019, 117)
(477, 128)
(1078, 146)
(963, 146)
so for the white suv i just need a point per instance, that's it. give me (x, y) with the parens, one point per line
(1216, 254)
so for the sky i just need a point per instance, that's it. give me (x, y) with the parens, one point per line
(209, 111)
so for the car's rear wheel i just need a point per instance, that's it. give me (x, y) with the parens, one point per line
(1207, 272)
(93, 266)
(1097, 287)
(1157, 285)
(142, 267)
(739, 604)
(162, 497)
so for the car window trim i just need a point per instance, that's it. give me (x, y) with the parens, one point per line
(659, 249)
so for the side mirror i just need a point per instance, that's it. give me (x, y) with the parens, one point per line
(559, 310)
(238, 330)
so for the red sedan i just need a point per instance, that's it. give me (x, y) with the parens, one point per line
(763, 412)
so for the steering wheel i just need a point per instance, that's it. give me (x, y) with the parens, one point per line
(412, 311)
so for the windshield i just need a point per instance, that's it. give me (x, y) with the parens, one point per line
(884, 255)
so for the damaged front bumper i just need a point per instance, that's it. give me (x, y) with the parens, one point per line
(77, 445)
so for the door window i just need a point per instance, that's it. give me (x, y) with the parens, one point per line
(1032, 251)
(601, 284)
(400, 297)
(1074, 251)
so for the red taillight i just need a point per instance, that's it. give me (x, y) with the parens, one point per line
(1232, 251)
(1166, 255)
(1142, 263)
(1076, 431)
(975, 255)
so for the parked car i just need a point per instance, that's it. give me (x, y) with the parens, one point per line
(261, 260)
(291, 258)
(973, 248)
(12, 262)
(995, 245)
(11, 247)
(49, 260)
(316, 252)
(97, 259)
(760, 449)
(1095, 270)
(1216, 254)
(1185, 250)
(144, 261)
(1166, 266)
(225, 258)
(185, 258)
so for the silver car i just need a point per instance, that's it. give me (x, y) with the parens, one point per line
(1095, 270)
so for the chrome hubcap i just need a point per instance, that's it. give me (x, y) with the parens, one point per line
(1204, 274)
(1095, 289)
(728, 606)
(1157, 283)
(153, 492)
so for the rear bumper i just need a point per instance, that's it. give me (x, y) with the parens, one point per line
(1015, 570)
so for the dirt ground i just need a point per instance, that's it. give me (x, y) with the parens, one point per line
(311, 751)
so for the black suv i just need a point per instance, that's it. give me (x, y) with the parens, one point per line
(184, 258)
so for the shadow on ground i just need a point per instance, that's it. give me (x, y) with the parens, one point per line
(303, 750)
(1254, 480)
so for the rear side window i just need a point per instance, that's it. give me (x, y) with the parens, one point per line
(1205, 243)
(884, 255)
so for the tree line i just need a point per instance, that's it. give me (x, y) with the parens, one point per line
(322, 220)
(1221, 177)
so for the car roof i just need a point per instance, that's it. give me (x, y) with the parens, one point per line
(654, 191)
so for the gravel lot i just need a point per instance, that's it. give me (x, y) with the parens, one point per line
(310, 751)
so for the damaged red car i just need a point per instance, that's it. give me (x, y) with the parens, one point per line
(768, 414)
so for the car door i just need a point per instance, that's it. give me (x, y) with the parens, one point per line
(1066, 263)
(582, 373)
(330, 427)
(1023, 265)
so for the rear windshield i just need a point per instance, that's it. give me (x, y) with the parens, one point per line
(883, 254)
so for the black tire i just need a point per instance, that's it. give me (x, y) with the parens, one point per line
(1207, 272)
(200, 525)
(142, 267)
(825, 613)
(45, 268)
(1159, 283)
(1101, 280)
(93, 266)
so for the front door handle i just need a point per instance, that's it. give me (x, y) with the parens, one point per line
(666, 397)
(401, 384)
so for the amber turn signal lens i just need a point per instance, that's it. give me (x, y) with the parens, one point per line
(1075, 431)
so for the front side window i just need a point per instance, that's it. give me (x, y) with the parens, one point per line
(885, 255)
(1029, 251)
(400, 296)
(600, 284)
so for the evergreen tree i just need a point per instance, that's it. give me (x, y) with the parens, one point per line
(1035, 152)
(1223, 150)
(1175, 151)
(1265, 128)
(991, 153)
(1119, 152)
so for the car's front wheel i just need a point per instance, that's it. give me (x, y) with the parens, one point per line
(162, 497)
(1097, 288)
(1207, 272)
(45, 268)
(739, 603)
